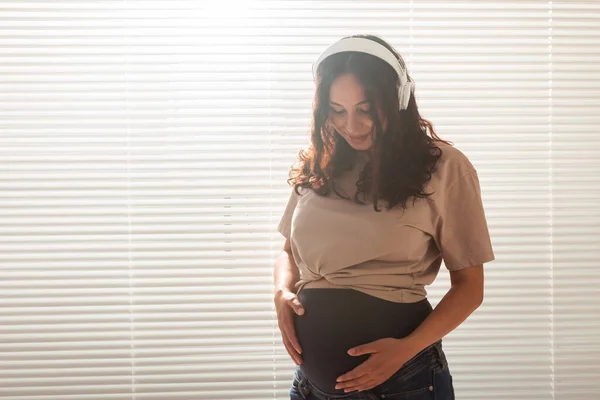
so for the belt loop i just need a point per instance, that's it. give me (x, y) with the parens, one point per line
(304, 388)
(372, 396)
(440, 353)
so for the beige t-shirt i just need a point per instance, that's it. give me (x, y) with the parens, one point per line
(393, 254)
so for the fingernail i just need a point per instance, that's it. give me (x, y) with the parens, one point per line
(301, 311)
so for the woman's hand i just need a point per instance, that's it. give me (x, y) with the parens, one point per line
(287, 303)
(386, 357)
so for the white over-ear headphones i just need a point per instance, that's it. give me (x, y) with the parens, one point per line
(363, 45)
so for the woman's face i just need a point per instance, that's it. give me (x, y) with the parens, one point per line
(349, 112)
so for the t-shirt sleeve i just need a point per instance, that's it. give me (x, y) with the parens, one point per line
(285, 223)
(461, 230)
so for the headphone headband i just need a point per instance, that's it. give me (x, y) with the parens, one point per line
(373, 48)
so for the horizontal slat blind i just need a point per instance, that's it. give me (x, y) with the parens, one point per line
(144, 148)
(576, 197)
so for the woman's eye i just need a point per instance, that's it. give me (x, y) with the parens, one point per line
(337, 112)
(364, 111)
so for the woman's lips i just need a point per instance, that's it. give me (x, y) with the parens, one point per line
(359, 138)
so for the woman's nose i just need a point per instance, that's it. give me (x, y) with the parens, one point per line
(353, 124)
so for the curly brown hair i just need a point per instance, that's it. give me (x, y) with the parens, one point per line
(404, 156)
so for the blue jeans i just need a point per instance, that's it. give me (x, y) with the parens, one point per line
(425, 376)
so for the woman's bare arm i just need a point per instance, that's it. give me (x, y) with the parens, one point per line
(463, 298)
(285, 271)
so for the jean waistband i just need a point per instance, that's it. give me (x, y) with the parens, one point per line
(430, 357)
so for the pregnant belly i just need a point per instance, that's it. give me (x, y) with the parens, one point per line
(335, 320)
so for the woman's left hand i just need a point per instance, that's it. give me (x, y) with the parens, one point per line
(386, 357)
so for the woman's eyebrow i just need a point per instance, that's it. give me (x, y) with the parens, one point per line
(357, 104)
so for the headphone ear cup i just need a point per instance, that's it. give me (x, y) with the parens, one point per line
(404, 95)
(409, 92)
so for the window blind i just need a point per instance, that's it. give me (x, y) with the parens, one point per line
(144, 148)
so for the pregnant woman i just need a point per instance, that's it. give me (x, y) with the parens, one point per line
(378, 201)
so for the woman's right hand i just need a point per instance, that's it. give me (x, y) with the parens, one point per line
(287, 303)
